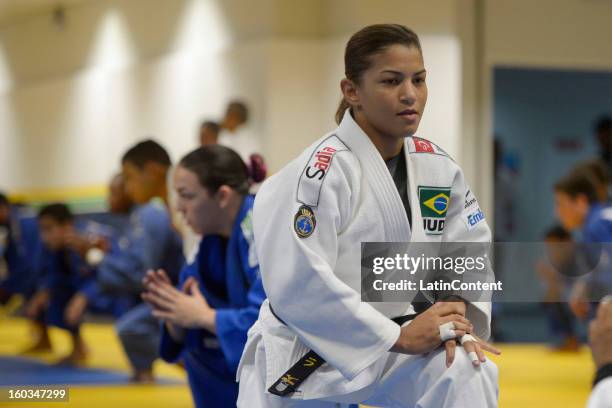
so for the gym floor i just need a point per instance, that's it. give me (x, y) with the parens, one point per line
(530, 374)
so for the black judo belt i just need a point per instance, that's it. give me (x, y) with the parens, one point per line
(310, 362)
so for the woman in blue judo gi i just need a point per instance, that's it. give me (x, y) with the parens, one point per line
(206, 319)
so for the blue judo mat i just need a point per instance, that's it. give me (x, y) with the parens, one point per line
(29, 371)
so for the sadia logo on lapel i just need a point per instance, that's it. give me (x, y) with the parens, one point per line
(422, 145)
(434, 202)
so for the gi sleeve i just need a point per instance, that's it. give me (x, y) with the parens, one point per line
(298, 272)
(90, 289)
(48, 275)
(233, 324)
(466, 223)
(142, 249)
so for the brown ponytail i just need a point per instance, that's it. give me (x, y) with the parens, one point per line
(342, 107)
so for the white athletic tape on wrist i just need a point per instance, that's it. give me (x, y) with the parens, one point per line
(467, 337)
(473, 356)
(447, 331)
(606, 299)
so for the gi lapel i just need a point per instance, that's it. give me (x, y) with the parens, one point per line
(430, 183)
(377, 175)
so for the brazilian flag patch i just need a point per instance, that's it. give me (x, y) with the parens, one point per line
(434, 202)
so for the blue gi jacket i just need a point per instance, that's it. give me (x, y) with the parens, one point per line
(228, 275)
(64, 273)
(21, 255)
(596, 235)
(150, 243)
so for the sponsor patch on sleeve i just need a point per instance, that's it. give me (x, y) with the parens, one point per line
(473, 217)
(319, 164)
(470, 200)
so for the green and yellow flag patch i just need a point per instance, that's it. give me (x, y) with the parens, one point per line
(434, 202)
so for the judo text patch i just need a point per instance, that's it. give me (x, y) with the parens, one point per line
(434, 202)
(304, 222)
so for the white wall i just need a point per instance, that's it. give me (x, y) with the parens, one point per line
(72, 131)
(550, 33)
(79, 97)
(122, 70)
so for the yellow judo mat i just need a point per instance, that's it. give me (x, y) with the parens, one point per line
(530, 375)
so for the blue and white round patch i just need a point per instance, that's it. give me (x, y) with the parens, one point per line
(304, 222)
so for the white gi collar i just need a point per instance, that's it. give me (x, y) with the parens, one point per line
(376, 173)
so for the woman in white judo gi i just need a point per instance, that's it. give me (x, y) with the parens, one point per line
(309, 221)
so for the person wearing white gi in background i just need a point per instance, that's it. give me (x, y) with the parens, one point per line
(600, 338)
(309, 221)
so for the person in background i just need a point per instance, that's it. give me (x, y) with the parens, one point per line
(206, 318)
(150, 242)
(20, 247)
(236, 134)
(209, 133)
(65, 276)
(119, 202)
(557, 280)
(601, 175)
(93, 246)
(580, 211)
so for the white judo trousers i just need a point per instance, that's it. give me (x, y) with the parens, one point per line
(343, 190)
(421, 381)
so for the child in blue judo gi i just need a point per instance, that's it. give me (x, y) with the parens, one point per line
(207, 317)
(64, 277)
(105, 238)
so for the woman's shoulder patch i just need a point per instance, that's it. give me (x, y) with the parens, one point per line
(304, 222)
(319, 164)
(420, 145)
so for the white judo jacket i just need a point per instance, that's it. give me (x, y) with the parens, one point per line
(310, 261)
